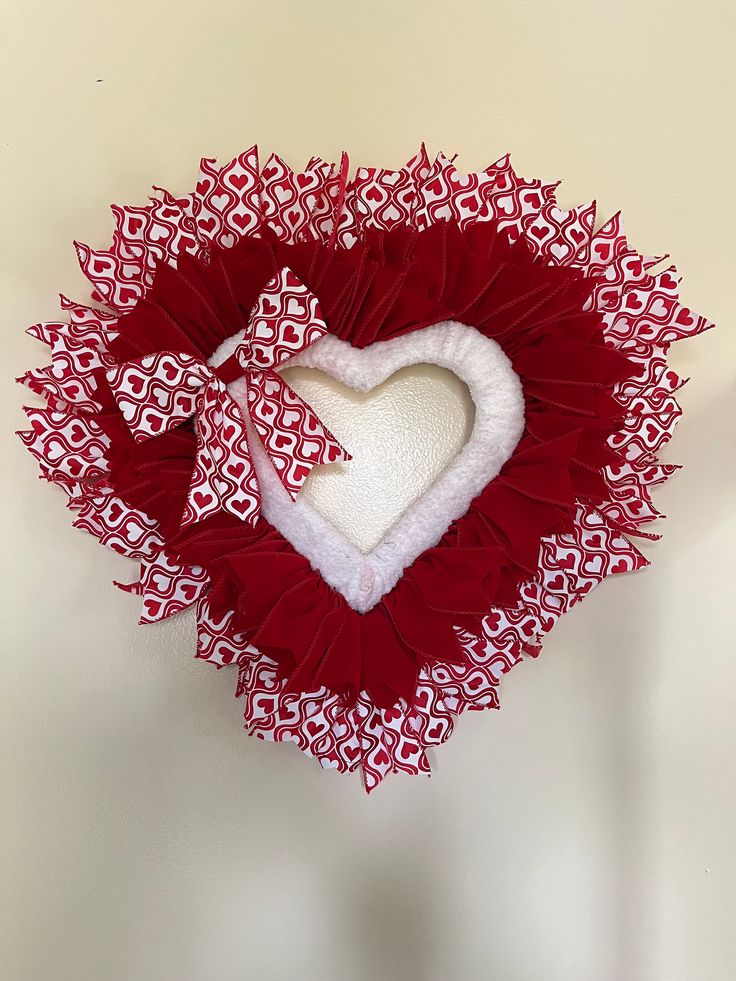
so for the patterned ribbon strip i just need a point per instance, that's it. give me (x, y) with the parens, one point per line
(158, 392)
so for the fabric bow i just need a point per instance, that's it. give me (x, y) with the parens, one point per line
(159, 391)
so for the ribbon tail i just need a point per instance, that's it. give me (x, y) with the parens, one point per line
(224, 477)
(292, 435)
(286, 319)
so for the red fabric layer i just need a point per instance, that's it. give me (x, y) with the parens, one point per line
(387, 285)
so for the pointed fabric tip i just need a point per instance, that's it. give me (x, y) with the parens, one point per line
(501, 163)
(654, 260)
(134, 588)
(83, 252)
(40, 332)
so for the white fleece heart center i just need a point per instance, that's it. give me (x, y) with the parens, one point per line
(496, 391)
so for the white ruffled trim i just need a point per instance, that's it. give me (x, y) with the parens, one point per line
(499, 422)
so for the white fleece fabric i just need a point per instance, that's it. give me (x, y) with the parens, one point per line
(499, 422)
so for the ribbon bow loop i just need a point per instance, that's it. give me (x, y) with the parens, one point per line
(160, 391)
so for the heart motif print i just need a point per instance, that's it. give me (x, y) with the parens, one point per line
(370, 670)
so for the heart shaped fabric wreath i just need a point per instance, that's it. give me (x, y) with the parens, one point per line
(179, 443)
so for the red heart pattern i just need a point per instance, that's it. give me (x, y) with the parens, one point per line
(642, 315)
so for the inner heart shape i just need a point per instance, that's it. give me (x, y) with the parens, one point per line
(402, 434)
(495, 389)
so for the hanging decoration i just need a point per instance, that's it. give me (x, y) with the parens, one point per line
(178, 442)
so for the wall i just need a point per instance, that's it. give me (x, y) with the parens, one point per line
(585, 832)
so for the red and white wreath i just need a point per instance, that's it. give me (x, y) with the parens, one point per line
(178, 442)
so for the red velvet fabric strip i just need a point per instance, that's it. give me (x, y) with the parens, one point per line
(386, 285)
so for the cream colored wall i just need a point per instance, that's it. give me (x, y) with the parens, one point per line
(586, 832)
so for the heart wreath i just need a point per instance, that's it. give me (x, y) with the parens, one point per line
(179, 443)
